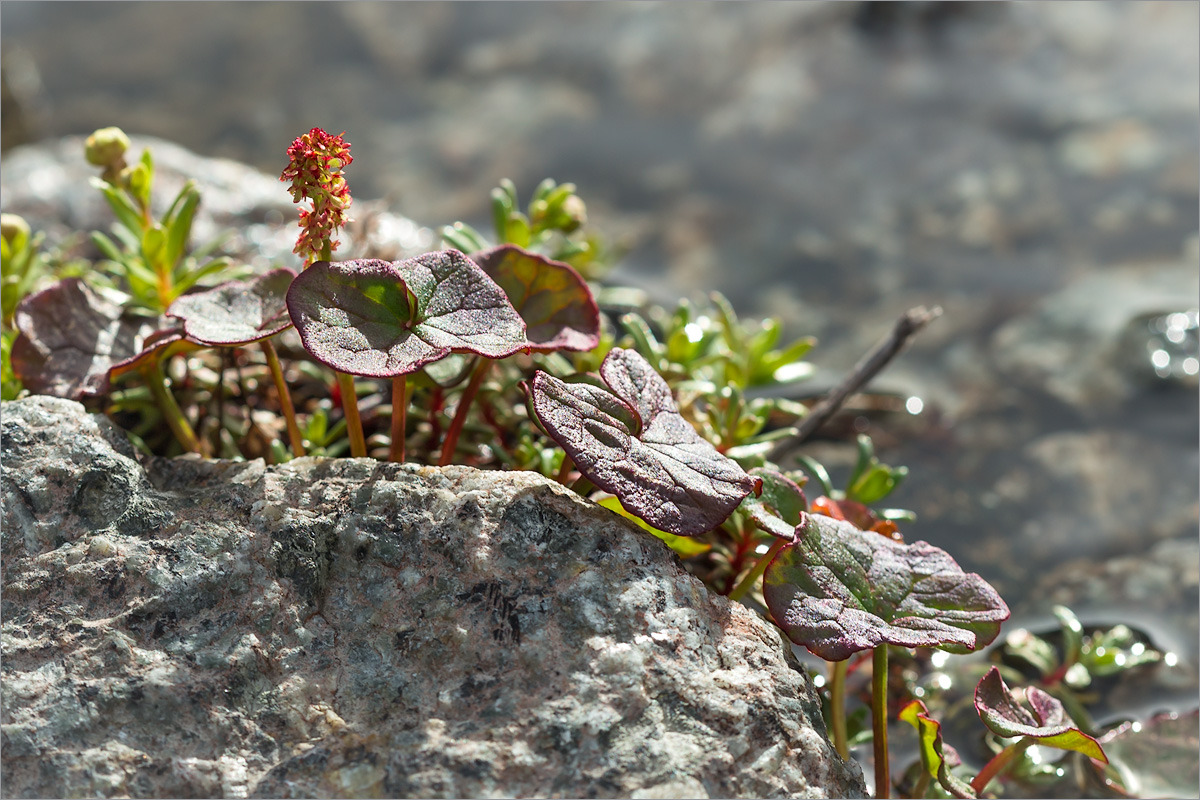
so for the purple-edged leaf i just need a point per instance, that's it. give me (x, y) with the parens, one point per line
(633, 442)
(381, 318)
(71, 336)
(1157, 757)
(839, 590)
(936, 756)
(156, 346)
(559, 310)
(781, 505)
(236, 312)
(1005, 716)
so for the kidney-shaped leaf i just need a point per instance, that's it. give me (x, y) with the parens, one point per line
(839, 590)
(633, 442)
(71, 336)
(1005, 716)
(780, 507)
(236, 312)
(381, 319)
(559, 310)
(936, 756)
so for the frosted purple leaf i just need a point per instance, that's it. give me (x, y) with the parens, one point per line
(631, 441)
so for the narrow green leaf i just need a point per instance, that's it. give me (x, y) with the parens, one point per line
(179, 227)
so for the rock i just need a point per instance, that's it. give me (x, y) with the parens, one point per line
(353, 628)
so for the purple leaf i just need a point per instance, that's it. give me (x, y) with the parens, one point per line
(631, 441)
(936, 756)
(839, 590)
(780, 507)
(236, 312)
(1005, 716)
(1157, 757)
(70, 338)
(559, 310)
(158, 345)
(381, 318)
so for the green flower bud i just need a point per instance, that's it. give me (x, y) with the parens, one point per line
(575, 212)
(106, 147)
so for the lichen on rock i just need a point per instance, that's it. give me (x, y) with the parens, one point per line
(353, 628)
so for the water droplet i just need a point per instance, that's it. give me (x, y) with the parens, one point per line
(914, 405)
(762, 548)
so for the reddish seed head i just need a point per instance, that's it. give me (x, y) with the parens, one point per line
(315, 164)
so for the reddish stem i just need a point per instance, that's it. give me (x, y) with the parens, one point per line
(999, 762)
(399, 411)
(460, 415)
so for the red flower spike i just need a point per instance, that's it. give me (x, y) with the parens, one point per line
(315, 164)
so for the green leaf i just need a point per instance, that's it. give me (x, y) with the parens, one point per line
(1033, 650)
(839, 590)
(124, 210)
(685, 546)
(463, 237)
(818, 471)
(194, 276)
(317, 425)
(936, 756)
(154, 242)
(179, 227)
(516, 230)
(1004, 715)
(643, 338)
(781, 505)
(1072, 632)
(874, 485)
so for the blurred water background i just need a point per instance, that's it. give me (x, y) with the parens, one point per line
(1030, 167)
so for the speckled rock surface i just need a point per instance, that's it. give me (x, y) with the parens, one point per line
(355, 628)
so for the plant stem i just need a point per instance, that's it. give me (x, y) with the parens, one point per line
(358, 444)
(999, 762)
(157, 383)
(460, 414)
(399, 410)
(285, 398)
(837, 706)
(565, 470)
(879, 719)
(909, 325)
(747, 583)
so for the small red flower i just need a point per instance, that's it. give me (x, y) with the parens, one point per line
(315, 164)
